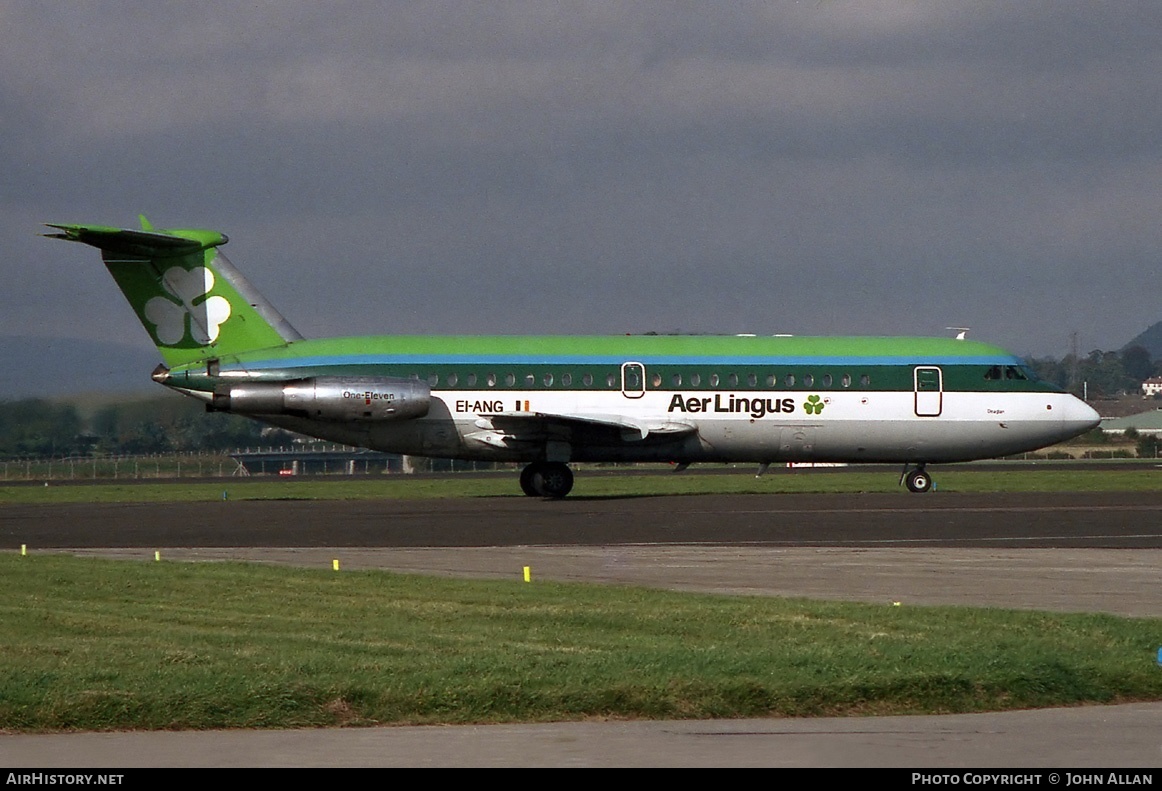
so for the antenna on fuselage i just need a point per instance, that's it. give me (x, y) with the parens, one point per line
(960, 332)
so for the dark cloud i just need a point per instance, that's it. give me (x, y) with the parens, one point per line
(816, 167)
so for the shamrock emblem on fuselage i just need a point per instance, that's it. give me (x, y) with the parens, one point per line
(813, 405)
(187, 287)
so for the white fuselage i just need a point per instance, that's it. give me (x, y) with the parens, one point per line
(725, 425)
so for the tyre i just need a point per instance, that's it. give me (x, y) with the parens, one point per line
(918, 481)
(553, 479)
(526, 480)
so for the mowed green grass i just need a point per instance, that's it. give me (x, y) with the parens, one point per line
(589, 484)
(99, 644)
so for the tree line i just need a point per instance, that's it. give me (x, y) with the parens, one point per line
(1099, 374)
(40, 427)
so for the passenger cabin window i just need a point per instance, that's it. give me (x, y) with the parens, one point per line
(790, 380)
(827, 380)
(492, 380)
(677, 380)
(714, 380)
(695, 380)
(453, 380)
(864, 380)
(587, 380)
(808, 380)
(846, 380)
(566, 380)
(472, 380)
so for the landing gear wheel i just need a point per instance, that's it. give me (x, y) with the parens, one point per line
(526, 480)
(553, 479)
(918, 481)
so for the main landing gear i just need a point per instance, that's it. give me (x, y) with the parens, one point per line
(552, 479)
(917, 480)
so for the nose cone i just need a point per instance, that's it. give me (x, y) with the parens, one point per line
(1078, 417)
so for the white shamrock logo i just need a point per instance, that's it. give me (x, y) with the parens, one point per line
(169, 317)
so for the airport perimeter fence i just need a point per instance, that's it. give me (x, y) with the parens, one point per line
(310, 460)
(1081, 454)
(331, 460)
(170, 465)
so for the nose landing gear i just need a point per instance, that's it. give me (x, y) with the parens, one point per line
(917, 480)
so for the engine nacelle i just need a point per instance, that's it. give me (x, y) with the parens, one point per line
(363, 399)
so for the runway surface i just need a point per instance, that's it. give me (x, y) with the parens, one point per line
(1072, 552)
(1109, 520)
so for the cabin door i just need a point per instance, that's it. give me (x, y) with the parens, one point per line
(633, 380)
(929, 391)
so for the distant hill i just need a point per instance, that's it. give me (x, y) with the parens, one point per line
(58, 367)
(1150, 340)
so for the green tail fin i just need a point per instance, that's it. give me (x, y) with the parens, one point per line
(193, 302)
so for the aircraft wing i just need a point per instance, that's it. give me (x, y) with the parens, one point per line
(519, 422)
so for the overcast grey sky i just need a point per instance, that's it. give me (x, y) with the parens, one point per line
(819, 167)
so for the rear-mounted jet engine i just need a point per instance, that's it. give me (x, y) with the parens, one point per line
(327, 398)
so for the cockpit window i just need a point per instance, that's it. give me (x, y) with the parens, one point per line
(1012, 373)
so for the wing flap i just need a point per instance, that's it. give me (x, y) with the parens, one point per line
(627, 425)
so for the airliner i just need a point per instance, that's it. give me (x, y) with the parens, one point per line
(548, 401)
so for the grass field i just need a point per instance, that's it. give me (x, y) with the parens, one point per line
(594, 484)
(93, 644)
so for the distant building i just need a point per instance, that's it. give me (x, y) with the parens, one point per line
(1152, 386)
(1143, 422)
